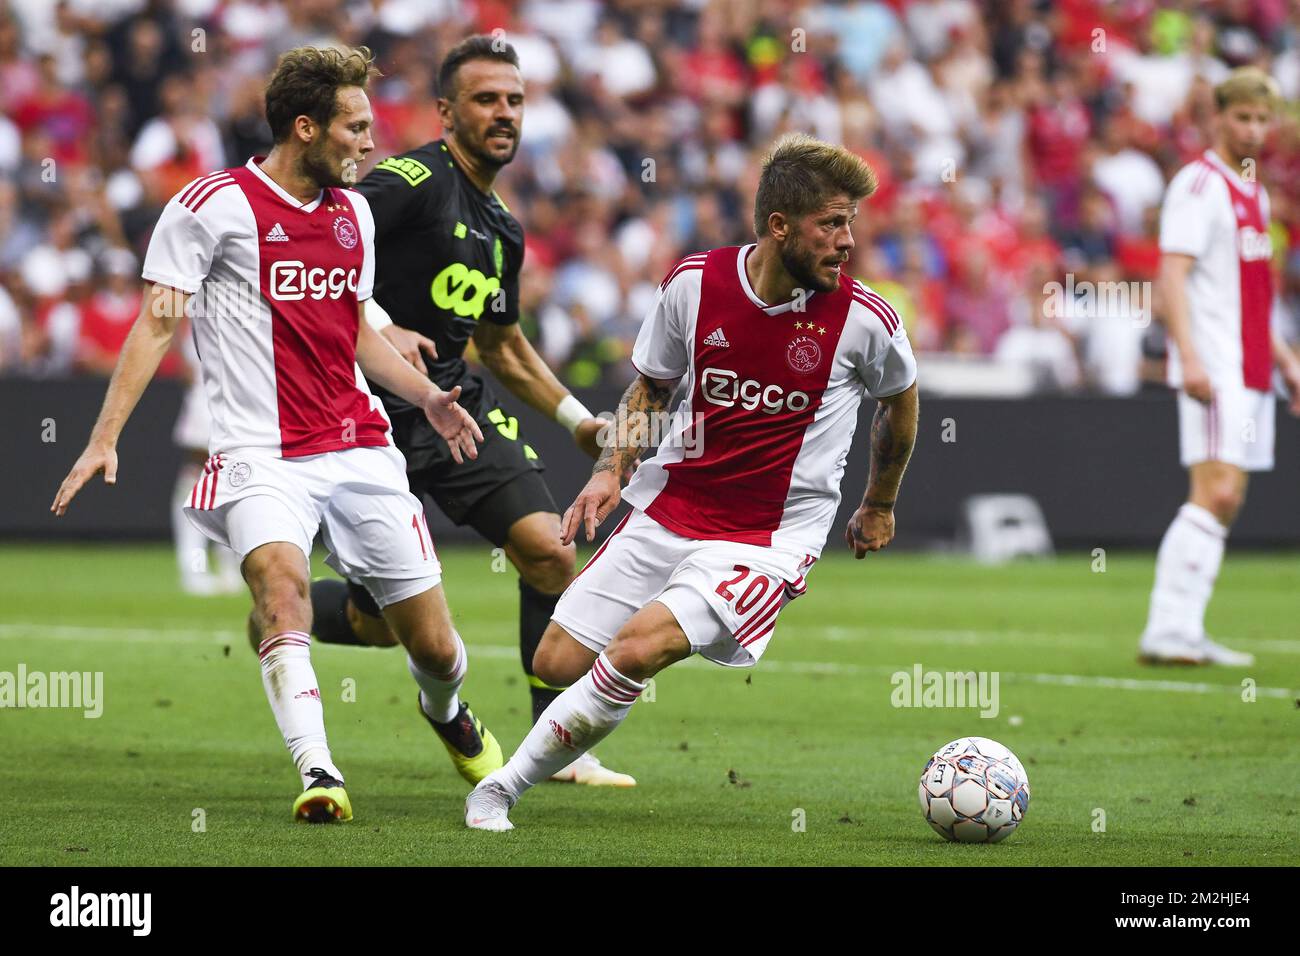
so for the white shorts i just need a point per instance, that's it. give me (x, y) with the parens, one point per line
(372, 525)
(726, 596)
(194, 422)
(1236, 427)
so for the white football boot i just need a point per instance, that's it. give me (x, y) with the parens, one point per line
(1171, 648)
(488, 807)
(589, 771)
(1218, 654)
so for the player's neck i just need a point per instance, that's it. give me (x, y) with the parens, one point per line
(767, 275)
(1230, 160)
(481, 175)
(288, 174)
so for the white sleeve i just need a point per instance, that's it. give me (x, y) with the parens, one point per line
(661, 350)
(181, 249)
(1187, 217)
(366, 220)
(888, 366)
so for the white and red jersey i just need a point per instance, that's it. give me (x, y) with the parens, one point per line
(277, 287)
(776, 390)
(1211, 213)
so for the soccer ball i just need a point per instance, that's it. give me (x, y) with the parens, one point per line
(974, 790)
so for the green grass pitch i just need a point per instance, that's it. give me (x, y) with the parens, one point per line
(1184, 770)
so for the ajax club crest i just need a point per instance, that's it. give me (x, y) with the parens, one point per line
(803, 355)
(240, 473)
(345, 232)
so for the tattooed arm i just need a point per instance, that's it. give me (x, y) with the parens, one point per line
(625, 439)
(893, 434)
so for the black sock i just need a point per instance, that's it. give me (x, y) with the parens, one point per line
(535, 610)
(329, 613)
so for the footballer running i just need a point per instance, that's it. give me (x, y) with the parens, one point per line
(779, 347)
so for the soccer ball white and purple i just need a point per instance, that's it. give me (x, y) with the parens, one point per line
(974, 790)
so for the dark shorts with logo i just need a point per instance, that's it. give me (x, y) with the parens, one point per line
(474, 492)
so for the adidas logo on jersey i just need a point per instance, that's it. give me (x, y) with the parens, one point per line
(277, 234)
(717, 338)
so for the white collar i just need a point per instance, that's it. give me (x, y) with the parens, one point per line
(741, 256)
(1234, 177)
(279, 191)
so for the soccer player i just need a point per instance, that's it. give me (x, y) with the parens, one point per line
(272, 261)
(778, 346)
(449, 254)
(1218, 298)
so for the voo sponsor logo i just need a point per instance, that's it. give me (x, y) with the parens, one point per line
(723, 387)
(291, 280)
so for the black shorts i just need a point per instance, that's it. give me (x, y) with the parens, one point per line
(461, 491)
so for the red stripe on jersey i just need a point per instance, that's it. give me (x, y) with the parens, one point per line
(754, 405)
(1201, 176)
(195, 187)
(695, 261)
(1256, 285)
(309, 284)
(207, 192)
(882, 308)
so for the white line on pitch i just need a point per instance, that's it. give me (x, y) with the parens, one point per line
(504, 652)
(925, 635)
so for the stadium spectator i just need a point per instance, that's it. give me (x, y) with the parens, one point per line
(1024, 135)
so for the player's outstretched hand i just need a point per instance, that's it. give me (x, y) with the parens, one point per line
(410, 344)
(870, 529)
(454, 424)
(592, 506)
(92, 461)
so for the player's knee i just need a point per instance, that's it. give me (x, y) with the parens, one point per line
(548, 565)
(1225, 501)
(639, 653)
(281, 600)
(560, 660)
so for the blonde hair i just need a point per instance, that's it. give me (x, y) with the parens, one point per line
(801, 173)
(1247, 84)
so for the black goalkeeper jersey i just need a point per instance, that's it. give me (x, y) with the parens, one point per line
(447, 256)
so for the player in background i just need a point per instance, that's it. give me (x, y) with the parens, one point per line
(272, 262)
(1218, 301)
(206, 568)
(779, 347)
(449, 254)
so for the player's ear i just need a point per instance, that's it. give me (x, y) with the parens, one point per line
(777, 226)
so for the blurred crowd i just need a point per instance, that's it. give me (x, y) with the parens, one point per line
(1022, 148)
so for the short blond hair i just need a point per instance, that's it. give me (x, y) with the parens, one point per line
(800, 175)
(1247, 84)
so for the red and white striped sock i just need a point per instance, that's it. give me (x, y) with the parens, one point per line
(438, 692)
(576, 721)
(294, 694)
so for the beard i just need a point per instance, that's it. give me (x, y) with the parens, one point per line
(801, 263)
(479, 149)
(325, 170)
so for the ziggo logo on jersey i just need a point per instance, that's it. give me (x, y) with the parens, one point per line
(723, 387)
(292, 280)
